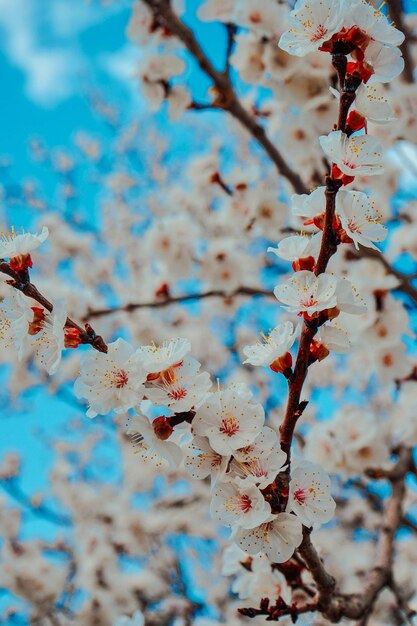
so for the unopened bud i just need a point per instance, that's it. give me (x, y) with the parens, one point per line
(162, 428)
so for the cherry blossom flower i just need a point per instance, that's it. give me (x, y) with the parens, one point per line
(348, 298)
(229, 419)
(149, 446)
(357, 155)
(278, 537)
(306, 293)
(50, 340)
(273, 349)
(261, 581)
(311, 24)
(15, 317)
(384, 62)
(160, 358)
(359, 218)
(202, 461)
(18, 246)
(260, 462)
(311, 206)
(373, 22)
(334, 338)
(239, 503)
(183, 389)
(372, 103)
(309, 497)
(111, 381)
(298, 247)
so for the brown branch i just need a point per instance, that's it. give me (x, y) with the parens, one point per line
(21, 282)
(328, 248)
(395, 8)
(226, 98)
(159, 304)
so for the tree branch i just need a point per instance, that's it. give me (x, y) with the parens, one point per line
(21, 282)
(159, 304)
(227, 98)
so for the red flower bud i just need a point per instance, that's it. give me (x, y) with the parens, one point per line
(162, 428)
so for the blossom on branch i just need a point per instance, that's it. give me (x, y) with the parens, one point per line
(278, 537)
(229, 419)
(111, 381)
(273, 349)
(18, 246)
(309, 497)
(311, 24)
(353, 156)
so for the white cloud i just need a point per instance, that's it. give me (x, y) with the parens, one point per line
(39, 37)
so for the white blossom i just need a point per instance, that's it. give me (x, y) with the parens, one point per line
(278, 537)
(49, 342)
(182, 389)
(275, 345)
(202, 461)
(17, 244)
(360, 218)
(239, 503)
(229, 419)
(111, 381)
(312, 23)
(15, 316)
(298, 247)
(304, 292)
(354, 156)
(149, 447)
(309, 497)
(159, 358)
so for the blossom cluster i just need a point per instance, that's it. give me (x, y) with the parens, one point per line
(177, 418)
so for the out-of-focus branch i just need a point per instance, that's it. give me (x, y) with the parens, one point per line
(21, 282)
(13, 489)
(159, 304)
(396, 12)
(226, 97)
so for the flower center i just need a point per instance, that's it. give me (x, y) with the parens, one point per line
(310, 301)
(321, 31)
(300, 495)
(229, 425)
(177, 394)
(117, 378)
(245, 503)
